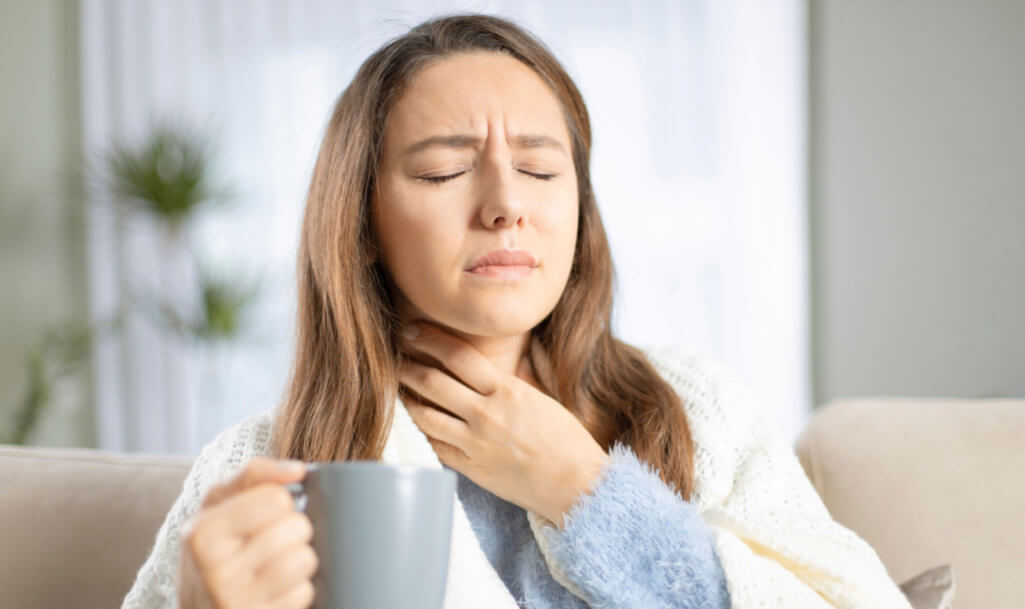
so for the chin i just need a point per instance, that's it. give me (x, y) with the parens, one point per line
(499, 327)
(501, 320)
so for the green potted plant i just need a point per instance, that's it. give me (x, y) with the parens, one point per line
(169, 178)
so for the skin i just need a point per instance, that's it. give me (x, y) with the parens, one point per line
(482, 410)
(494, 424)
(246, 546)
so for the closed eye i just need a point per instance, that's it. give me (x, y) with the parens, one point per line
(440, 179)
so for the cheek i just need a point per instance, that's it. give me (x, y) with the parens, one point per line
(414, 242)
(560, 225)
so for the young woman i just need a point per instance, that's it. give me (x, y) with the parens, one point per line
(453, 264)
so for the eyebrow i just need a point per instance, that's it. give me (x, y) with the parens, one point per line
(472, 141)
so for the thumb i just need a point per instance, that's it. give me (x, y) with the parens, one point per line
(256, 471)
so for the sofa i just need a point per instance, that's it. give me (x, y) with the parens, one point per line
(926, 482)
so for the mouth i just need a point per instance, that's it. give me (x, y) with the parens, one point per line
(502, 271)
(520, 261)
(503, 264)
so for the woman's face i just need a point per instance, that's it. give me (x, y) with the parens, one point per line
(498, 128)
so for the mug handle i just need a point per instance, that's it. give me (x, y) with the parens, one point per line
(299, 497)
(298, 489)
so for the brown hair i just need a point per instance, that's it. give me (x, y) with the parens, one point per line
(343, 379)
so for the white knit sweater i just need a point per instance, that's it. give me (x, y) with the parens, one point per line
(778, 545)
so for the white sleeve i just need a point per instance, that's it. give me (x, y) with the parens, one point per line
(155, 583)
(778, 544)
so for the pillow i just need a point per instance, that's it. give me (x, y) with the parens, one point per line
(930, 589)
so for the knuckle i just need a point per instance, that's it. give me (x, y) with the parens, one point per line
(237, 601)
(425, 375)
(504, 392)
(310, 561)
(274, 496)
(305, 526)
(478, 418)
(294, 528)
(221, 596)
(460, 358)
(254, 469)
(211, 548)
(217, 578)
(486, 418)
(513, 391)
(283, 499)
(428, 417)
(306, 592)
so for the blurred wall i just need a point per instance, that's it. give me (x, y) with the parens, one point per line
(918, 197)
(42, 266)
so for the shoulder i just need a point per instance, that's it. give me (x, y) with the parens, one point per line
(710, 389)
(154, 584)
(250, 437)
(727, 423)
(247, 438)
(227, 453)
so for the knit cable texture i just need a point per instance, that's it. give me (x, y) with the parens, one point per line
(777, 543)
(774, 538)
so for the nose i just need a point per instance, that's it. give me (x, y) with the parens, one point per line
(502, 205)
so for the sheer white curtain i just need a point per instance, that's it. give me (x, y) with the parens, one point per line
(698, 164)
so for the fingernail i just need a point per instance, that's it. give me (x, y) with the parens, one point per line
(410, 331)
(291, 465)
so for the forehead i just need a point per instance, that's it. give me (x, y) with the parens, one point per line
(467, 92)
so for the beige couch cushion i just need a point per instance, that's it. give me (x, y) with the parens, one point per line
(926, 483)
(77, 524)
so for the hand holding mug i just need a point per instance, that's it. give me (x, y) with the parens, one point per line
(247, 546)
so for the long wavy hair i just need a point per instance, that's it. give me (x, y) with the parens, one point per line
(339, 401)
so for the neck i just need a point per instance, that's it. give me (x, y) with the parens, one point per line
(510, 354)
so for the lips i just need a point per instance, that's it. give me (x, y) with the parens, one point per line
(504, 258)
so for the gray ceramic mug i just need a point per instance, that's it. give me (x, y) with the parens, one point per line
(382, 533)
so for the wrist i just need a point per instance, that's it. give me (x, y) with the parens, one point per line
(582, 480)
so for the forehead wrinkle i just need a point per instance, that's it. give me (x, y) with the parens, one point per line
(454, 115)
(528, 141)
